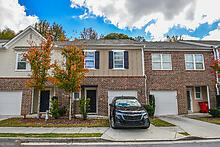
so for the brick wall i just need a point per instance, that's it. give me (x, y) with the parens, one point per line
(178, 78)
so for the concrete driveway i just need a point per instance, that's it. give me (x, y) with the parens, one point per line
(194, 127)
(153, 133)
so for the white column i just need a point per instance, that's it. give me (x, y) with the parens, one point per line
(207, 88)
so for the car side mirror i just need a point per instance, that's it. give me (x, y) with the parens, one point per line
(111, 105)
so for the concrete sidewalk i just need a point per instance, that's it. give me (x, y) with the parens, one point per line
(194, 127)
(40, 130)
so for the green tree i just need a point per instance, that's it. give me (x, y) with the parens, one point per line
(88, 34)
(117, 36)
(140, 39)
(69, 75)
(174, 38)
(56, 31)
(7, 34)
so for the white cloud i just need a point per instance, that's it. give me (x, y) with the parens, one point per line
(213, 35)
(13, 16)
(187, 37)
(132, 14)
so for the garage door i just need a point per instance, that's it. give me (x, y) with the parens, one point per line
(166, 102)
(114, 93)
(10, 102)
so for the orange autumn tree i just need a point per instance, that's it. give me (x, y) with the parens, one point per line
(39, 59)
(69, 74)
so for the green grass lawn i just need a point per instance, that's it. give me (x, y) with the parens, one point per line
(60, 135)
(160, 123)
(20, 122)
(208, 119)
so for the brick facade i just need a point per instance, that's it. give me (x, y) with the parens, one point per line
(178, 78)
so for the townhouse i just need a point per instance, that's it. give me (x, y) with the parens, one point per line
(176, 73)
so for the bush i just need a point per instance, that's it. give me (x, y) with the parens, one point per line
(152, 101)
(215, 112)
(54, 110)
(84, 107)
(150, 110)
(57, 111)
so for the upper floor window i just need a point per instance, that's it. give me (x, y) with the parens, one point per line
(161, 62)
(90, 59)
(118, 59)
(21, 62)
(194, 61)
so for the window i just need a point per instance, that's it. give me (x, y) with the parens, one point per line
(76, 95)
(198, 93)
(118, 59)
(194, 62)
(161, 62)
(21, 63)
(90, 59)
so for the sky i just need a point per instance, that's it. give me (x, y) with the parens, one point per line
(152, 19)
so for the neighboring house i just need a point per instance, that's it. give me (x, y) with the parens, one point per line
(177, 74)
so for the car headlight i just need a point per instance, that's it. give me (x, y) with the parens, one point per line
(145, 116)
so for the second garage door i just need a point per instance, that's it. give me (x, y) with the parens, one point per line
(114, 93)
(166, 102)
(10, 102)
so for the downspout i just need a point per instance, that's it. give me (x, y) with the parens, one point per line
(145, 77)
(216, 57)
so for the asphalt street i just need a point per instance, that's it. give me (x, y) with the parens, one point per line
(195, 143)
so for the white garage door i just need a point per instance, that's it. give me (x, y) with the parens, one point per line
(10, 102)
(166, 102)
(114, 93)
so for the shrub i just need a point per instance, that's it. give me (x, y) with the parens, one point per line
(150, 110)
(215, 112)
(84, 107)
(152, 101)
(62, 110)
(54, 110)
(218, 100)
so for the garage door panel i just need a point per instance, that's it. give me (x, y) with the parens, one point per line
(10, 102)
(166, 102)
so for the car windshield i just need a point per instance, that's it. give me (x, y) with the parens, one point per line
(127, 103)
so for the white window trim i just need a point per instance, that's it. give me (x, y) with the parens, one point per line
(161, 62)
(123, 59)
(89, 59)
(79, 95)
(194, 62)
(200, 93)
(28, 68)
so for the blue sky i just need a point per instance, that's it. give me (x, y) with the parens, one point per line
(152, 19)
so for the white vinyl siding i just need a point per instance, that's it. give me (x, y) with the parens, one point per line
(194, 61)
(161, 62)
(89, 61)
(118, 59)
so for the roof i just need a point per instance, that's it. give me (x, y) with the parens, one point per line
(210, 43)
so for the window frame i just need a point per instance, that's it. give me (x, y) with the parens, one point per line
(79, 95)
(197, 92)
(194, 62)
(161, 61)
(89, 59)
(28, 68)
(123, 60)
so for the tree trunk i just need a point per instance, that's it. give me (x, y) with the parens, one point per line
(70, 108)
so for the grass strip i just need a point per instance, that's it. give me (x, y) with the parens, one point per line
(208, 119)
(52, 135)
(20, 122)
(160, 123)
(184, 133)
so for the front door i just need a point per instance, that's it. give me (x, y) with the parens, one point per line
(44, 100)
(92, 95)
(189, 101)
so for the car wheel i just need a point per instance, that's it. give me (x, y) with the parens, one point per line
(147, 124)
(112, 122)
